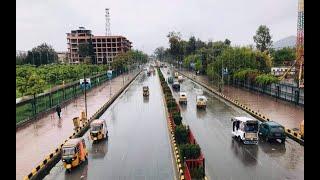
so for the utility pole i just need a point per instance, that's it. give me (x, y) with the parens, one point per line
(85, 93)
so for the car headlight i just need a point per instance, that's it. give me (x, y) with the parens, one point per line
(72, 159)
(63, 160)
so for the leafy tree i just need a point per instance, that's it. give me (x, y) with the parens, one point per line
(176, 47)
(35, 85)
(263, 38)
(198, 65)
(283, 55)
(227, 42)
(266, 79)
(160, 53)
(191, 46)
(42, 54)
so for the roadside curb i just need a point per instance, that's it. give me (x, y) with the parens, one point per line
(53, 158)
(174, 147)
(291, 133)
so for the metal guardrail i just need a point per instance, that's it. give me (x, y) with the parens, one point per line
(291, 133)
(40, 171)
(30, 108)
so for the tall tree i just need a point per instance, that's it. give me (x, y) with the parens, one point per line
(263, 38)
(283, 55)
(42, 54)
(227, 42)
(160, 53)
(191, 46)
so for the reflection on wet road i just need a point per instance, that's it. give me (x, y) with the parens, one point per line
(138, 145)
(225, 157)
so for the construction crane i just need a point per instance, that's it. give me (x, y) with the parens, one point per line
(299, 62)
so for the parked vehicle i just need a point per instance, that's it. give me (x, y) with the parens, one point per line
(183, 98)
(245, 129)
(98, 129)
(168, 72)
(145, 90)
(271, 130)
(176, 86)
(170, 80)
(201, 102)
(74, 152)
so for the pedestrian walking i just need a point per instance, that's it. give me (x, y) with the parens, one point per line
(58, 110)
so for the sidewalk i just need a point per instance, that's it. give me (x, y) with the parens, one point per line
(285, 113)
(38, 139)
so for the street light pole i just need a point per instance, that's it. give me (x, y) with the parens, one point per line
(85, 93)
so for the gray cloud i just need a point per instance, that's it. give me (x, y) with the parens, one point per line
(147, 22)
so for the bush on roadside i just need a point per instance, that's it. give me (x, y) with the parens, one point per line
(197, 173)
(177, 118)
(181, 134)
(190, 151)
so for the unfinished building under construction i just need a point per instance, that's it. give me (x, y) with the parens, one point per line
(105, 48)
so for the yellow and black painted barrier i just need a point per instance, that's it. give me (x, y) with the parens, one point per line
(290, 133)
(173, 144)
(53, 158)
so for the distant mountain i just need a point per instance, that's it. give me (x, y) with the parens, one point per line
(289, 41)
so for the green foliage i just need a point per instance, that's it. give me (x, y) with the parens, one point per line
(42, 54)
(282, 55)
(263, 38)
(35, 85)
(266, 79)
(239, 58)
(246, 74)
(123, 61)
(53, 74)
(177, 118)
(190, 151)
(197, 173)
(181, 134)
(160, 53)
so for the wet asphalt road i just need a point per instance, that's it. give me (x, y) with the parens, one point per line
(138, 145)
(226, 158)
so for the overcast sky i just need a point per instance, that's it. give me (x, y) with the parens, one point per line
(147, 22)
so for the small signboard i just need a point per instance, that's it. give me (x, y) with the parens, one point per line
(109, 74)
(86, 84)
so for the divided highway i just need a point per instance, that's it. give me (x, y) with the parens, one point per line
(226, 158)
(138, 146)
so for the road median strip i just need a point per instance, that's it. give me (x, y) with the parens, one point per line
(182, 166)
(41, 171)
(293, 135)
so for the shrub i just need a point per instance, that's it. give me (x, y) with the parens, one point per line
(177, 118)
(190, 151)
(181, 134)
(197, 173)
(266, 79)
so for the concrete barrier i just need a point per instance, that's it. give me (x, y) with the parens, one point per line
(296, 137)
(50, 161)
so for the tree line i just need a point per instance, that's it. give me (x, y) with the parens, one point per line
(218, 58)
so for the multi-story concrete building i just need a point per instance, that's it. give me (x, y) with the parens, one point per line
(105, 47)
